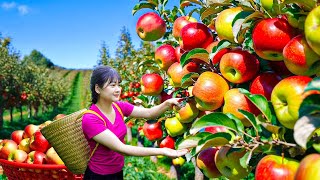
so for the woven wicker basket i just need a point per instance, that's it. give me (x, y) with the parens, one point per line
(67, 138)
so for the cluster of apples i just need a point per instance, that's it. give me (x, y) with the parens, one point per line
(216, 71)
(29, 146)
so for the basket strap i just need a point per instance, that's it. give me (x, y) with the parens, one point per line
(95, 113)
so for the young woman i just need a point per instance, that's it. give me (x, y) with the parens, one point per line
(107, 160)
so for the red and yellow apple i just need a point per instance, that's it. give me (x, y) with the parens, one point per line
(39, 143)
(264, 83)
(17, 136)
(287, 97)
(299, 58)
(25, 145)
(234, 100)
(309, 167)
(270, 36)
(223, 23)
(239, 66)
(6, 147)
(216, 59)
(52, 157)
(187, 113)
(151, 84)
(311, 29)
(276, 167)
(228, 163)
(209, 90)
(176, 73)
(29, 130)
(36, 157)
(165, 55)
(18, 156)
(150, 27)
(195, 35)
(206, 162)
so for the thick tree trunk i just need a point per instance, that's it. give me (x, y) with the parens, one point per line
(11, 114)
(1, 117)
(21, 117)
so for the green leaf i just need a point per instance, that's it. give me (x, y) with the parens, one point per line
(188, 77)
(212, 10)
(244, 161)
(313, 85)
(310, 105)
(221, 45)
(191, 141)
(304, 128)
(251, 119)
(213, 140)
(261, 103)
(213, 119)
(197, 53)
(307, 5)
(143, 5)
(237, 23)
(239, 124)
(190, 1)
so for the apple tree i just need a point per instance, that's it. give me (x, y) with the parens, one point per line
(247, 74)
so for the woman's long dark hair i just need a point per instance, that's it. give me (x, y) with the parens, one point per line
(100, 76)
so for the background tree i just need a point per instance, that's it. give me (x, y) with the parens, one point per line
(39, 59)
(105, 57)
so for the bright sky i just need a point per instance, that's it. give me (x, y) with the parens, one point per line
(68, 32)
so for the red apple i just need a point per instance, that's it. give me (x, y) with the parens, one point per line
(25, 145)
(6, 147)
(209, 90)
(179, 52)
(167, 142)
(176, 73)
(179, 23)
(36, 157)
(264, 83)
(276, 167)
(29, 130)
(53, 157)
(228, 163)
(164, 96)
(309, 168)
(18, 156)
(17, 136)
(216, 59)
(151, 84)
(239, 66)
(300, 58)
(234, 100)
(270, 36)
(150, 27)
(206, 162)
(287, 97)
(195, 35)
(38, 142)
(279, 68)
(152, 129)
(165, 55)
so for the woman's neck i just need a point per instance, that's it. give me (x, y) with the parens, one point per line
(105, 107)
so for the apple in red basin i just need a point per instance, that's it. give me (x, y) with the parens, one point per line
(17, 136)
(25, 145)
(300, 58)
(264, 83)
(195, 35)
(239, 66)
(150, 27)
(206, 162)
(52, 157)
(167, 142)
(36, 157)
(152, 129)
(165, 55)
(309, 167)
(29, 130)
(151, 84)
(39, 143)
(18, 156)
(287, 97)
(270, 36)
(276, 167)
(6, 147)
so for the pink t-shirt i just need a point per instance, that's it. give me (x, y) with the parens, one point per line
(104, 160)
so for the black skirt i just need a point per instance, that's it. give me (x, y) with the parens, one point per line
(89, 175)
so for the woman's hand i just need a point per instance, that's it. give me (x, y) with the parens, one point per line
(174, 153)
(173, 102)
